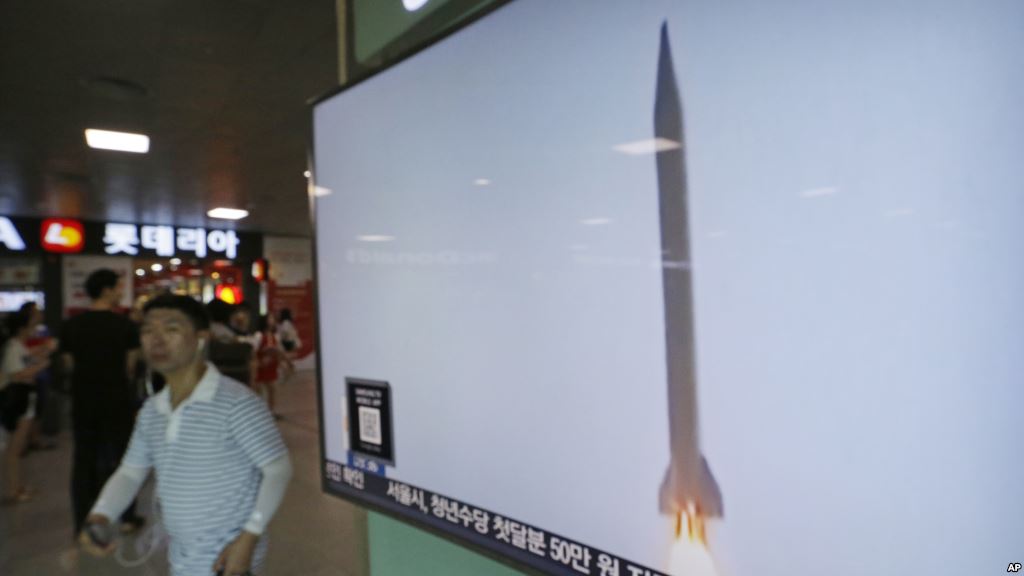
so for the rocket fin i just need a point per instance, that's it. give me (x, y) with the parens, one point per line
(707, 495)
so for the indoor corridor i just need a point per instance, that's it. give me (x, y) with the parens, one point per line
(313, 534)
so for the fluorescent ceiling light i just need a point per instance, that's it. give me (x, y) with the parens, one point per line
(482, 182)
(652, 146)
(321, 191)
(120, 141)
(596, 221)
(157, 267)
(414, 5)
(375, 238)
(228, 213)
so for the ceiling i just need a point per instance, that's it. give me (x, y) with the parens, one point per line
(220, 86)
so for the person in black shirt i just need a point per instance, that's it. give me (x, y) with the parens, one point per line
(100, 347)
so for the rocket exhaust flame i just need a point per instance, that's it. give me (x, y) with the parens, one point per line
(690, 525)
(690, 559)
(689, 555)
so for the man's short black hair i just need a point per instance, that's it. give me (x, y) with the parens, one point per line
(219, 311)
(187, 305)
(99, 281)
(15, 321)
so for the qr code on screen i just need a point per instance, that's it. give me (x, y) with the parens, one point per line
(369, 425)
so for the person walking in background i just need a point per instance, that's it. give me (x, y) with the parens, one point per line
(18, 371)
(220, 316)
(99, 347)
(269, 356)
(287, 333)
(221, 466)
(41, 346)
(145, 381)
(233, 357)
(241, 324)
(288, 336)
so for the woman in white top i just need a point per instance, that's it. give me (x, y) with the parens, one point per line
(286, 332)
(288, 336)
(18, 371)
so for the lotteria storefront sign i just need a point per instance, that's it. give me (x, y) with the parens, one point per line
(65, 236)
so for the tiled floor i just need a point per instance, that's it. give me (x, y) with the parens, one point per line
(312, 534)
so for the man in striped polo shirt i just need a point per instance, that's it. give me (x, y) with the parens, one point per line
(221, 466)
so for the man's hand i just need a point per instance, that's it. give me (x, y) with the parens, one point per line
(88, 543)
(236, 559)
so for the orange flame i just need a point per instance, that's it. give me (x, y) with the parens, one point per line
(689, 555)
(690, 522)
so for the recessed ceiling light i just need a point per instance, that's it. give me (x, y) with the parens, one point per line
(156, 267)
(482, 182)
(228, 213)
(375, 238)
(321, 191)
(140, 272)
(176, 261)
(307, 173)
(652, 146)
(596, 221)
(414, 5)
(119, 141)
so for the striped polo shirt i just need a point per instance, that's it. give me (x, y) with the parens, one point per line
(206, 453)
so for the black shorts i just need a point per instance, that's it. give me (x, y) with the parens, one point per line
(15, 403)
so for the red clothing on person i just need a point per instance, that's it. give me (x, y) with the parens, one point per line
(268, 358)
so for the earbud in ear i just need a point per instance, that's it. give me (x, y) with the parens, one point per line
(200, 344)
